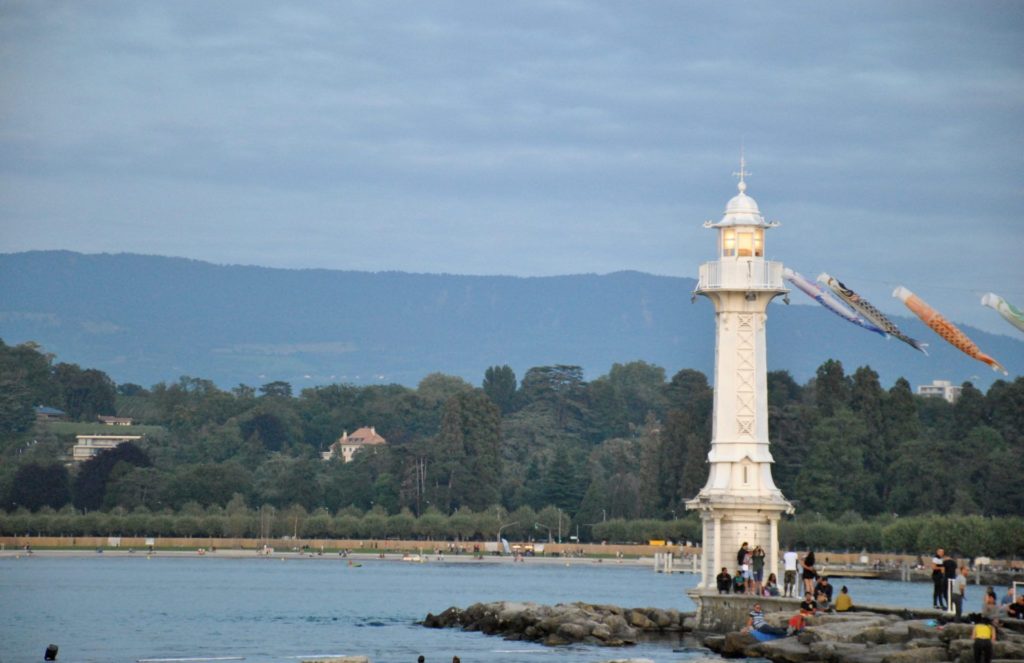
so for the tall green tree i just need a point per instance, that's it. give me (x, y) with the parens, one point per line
(481, 432)
(36, 486)
(90, 484)
(831, 387)
(500, 386)
(561, 390)
(833, 479)
(86, 393)
(969, 411)
(277, 389)
(867, 402)
(562, 482)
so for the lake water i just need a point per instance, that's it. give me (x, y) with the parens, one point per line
(131, 608)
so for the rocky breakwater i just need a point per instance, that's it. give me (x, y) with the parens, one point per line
(868, 637)
(563, 624)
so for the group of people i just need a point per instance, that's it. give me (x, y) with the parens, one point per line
(949, 583)
(749, 576)
(986, 626)
(811, 605)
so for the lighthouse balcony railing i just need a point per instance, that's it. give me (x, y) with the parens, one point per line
(741, 274)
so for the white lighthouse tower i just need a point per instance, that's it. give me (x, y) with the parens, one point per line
(740, 501)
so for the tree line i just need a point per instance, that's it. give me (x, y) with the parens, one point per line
(628, 446)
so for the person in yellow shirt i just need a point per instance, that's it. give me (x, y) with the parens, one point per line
(983, 634)
(843, 602)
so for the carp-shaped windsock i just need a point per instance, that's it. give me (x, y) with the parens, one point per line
(822, 296)
(944, 328)
(1012, 314)
(866, 309)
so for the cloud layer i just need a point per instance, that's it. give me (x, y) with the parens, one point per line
(528, 138)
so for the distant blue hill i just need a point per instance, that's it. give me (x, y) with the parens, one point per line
(147, 319)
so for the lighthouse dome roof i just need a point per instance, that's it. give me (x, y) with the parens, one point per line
(741, 210)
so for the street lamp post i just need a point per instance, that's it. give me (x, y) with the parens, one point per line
(501, 527)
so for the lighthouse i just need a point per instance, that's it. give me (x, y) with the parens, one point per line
(740, 502)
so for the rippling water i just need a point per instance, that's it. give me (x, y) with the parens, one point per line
(131, 608)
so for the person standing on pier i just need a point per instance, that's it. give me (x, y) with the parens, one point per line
(757, 562)
(809, 573)
(789, 564)
(949, 567)
(960, 591)
(938, 581)
(744, 559)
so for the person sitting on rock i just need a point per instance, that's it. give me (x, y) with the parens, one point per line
(990, 606)
(821, 599)
(808, 606)
(771, 586)
(843, 602)
(1016, 609)
(724, 581)
(825, 587)
(739, 583)
(756, 622)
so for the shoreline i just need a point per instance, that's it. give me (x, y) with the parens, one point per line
(236, 553)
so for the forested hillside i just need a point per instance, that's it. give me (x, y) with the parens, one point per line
(149, 319)
(630, 444)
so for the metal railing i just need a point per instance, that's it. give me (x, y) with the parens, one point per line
(741, 274)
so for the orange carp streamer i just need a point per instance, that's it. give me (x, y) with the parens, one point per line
(944, 328)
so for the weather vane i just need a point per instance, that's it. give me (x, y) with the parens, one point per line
(742, 172)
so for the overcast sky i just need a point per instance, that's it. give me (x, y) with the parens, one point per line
(524, 138)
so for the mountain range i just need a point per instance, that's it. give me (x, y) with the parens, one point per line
(147, 319)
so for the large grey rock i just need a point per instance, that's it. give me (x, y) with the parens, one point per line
(788, 650)
(659, 618)
(872, 634)
(573, 631)
(715, 643)
(896, 633)
(1013, 651)
(736, 643)
(836, 651)
(555, 640)
(918, 629)
(638, 619)
(850, 629)
(918, 655)
(449, 617)
(955, 632)
(871, 654)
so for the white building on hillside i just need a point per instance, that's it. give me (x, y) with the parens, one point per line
(87, 446)
(940, 389)
(347, 445)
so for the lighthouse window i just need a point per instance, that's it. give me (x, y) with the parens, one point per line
(729, 242)
(746, 244)
(745, 479)
(758, 242)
